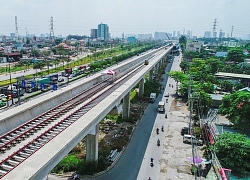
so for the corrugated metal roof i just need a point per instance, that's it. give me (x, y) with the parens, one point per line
(232, 75)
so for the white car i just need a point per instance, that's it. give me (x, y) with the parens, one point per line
(189, 139)
(2, 96)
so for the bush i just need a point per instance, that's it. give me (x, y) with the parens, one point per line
(69, 163)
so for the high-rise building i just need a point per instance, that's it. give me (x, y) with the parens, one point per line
(93, 33)
(144, 36)
(160, 36)
(178, 34)
(103, 31)
(207, 34)
(174, 33)
(222, 34)
(188, 34)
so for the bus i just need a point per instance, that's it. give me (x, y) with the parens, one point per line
(161, 106)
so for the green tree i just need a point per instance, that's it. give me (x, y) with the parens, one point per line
(183, 42)
(199, 70)
(243, 66)
(38, 66)
(236, 107)
(233, 151)
(207, 87)
(236, 55)
(178, 76)
(58, 41)
(214, 64)
(226, 85)
(34, 53)
(184, 66)
(202, 103)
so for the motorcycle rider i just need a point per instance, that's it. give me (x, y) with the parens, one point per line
(162, 128)
(158, 142)
(157, 130)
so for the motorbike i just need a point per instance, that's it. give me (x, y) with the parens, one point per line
(162, 128)
(152, 164)
(166, 115)
(75, 177)
(158, 143)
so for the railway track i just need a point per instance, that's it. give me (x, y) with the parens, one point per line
(23, 141)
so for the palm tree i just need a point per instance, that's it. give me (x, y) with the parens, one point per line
(56, 62)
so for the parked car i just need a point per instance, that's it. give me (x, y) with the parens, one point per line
(189, 139)
(184, 130)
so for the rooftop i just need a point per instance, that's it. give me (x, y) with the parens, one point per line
(232, 75)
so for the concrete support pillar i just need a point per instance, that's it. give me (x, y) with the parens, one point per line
(157, 68)
(126, 107)
(92, 145)
(141, 87)
(151, 75)
(159, 65)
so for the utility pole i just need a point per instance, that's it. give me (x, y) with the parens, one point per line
(214, 27)
(16, 33)
(232, 31)
(191, 101)
(51, 34)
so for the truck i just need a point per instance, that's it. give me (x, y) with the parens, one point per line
(15, 90)
(68, 71)
(43, 81)
(161, 106)
(152, 97)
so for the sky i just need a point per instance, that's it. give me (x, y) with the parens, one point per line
(129, 16)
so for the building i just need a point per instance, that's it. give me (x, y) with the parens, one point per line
(174, 33)
(131, 39)
(103, 31)
(207, 34)
(189, 34)
(144, 36)
(221, 54)
(160, 36)
(231, 43)
(178, 34)
(194, 46)
(93, 33)
(222, 34)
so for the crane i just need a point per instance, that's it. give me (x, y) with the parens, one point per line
(170, 42)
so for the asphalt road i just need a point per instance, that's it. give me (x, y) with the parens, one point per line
(153, 151)
(127, 168)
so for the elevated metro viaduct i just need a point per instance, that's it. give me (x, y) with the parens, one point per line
(38, 165)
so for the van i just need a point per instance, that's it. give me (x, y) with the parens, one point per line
(189, 138)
